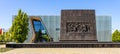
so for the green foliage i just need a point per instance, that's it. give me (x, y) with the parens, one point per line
(5, 49)
(5, 37)
(40, 37)
(2, 38)
(19, 29)
(46, 37)
(116, 36)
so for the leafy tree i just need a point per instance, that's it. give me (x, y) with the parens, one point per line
(7, 37)
(2, 38)
(19, 29)
(116, 36)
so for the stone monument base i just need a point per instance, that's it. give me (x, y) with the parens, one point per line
(79, 41)
(66, 45)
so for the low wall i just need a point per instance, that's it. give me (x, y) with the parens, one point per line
(64, 45)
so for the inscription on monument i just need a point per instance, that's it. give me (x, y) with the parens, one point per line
(79, 27)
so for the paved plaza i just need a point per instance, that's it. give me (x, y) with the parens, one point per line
(2, 46)
(64, 51)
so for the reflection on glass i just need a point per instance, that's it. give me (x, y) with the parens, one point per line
(39, 31)
(38, 26)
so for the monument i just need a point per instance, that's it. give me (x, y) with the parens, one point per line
(78, 25)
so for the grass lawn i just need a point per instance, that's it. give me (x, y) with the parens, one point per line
(5, 49)
(1, 43)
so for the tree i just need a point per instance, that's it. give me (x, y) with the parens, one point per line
(2, 38)
(116, 36)
(19, 29)
(7, 37)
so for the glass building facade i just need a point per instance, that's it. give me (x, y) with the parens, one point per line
(103, 25)
(52, 25)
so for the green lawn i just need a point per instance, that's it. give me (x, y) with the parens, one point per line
(5, 49)
(1, 43)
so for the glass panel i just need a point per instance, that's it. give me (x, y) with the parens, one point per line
(40, 31)
(38, 26)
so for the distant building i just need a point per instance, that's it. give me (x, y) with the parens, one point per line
(0, 31)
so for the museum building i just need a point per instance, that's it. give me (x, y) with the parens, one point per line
(51, 25)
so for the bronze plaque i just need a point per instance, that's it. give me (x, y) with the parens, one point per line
(77, 25)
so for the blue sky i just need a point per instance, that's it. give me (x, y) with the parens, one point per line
(8, 8)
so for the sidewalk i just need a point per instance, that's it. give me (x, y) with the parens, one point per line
(64, 51)
(2, 46)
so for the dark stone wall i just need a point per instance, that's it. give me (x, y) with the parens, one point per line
(65, 45)
(78, 25)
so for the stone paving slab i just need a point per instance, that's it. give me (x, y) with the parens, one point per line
(64, 51)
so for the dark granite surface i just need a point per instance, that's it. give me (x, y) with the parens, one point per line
(65, 45)
(78, 25)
